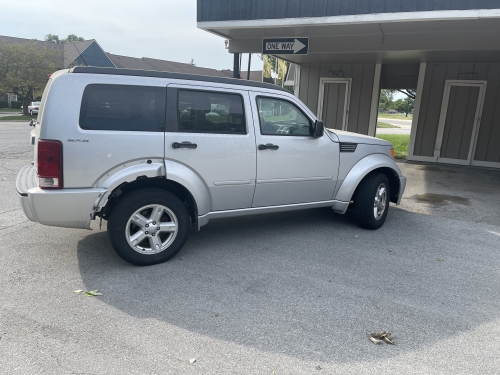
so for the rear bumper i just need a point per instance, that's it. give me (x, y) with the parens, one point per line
(68, 208)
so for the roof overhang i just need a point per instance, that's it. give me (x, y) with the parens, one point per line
(388, 37)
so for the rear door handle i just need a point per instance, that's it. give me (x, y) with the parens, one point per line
(268, 146)
(184, 145)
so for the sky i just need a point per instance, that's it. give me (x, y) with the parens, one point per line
(161, 29)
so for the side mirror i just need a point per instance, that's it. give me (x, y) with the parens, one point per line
(318, 129)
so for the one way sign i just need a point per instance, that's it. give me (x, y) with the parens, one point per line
(285, 46)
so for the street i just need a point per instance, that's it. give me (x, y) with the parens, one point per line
(404, 126)
(285, 293)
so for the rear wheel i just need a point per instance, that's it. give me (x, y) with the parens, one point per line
(372, 201)
(148, 226)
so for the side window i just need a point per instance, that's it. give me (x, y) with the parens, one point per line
(210, 112)
(279, 117)
(123, 108)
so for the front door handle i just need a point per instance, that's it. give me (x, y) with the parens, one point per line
(184, 145)
(268, 146)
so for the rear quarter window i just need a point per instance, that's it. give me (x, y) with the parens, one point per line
(123, 108)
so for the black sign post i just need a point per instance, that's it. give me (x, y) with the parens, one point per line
(285, 46)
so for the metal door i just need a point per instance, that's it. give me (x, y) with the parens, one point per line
(333, 102)
(225, 160)
(292, 167)
(459, 121)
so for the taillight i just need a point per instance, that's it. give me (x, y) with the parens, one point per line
(36, 109)
(49, 167)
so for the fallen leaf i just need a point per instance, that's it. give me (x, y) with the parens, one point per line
(78, 291)
(192, 360)
(93, 293)
(375, 341)
(216, 315)
(318, 368)
(440, 260)
(378, 337)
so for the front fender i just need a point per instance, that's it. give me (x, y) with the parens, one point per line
(360, 170)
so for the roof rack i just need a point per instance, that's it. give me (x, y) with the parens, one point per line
(191, 77)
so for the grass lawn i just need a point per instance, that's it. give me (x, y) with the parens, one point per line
(395, 117)
(384, 125)
(400, 142)
(9, 110)
(17, 118)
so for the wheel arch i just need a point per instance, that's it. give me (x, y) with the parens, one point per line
(368, 165)
(157, 182)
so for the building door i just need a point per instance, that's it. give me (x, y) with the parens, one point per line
(459, 121)
(333, 102)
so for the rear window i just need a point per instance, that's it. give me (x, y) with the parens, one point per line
(123, 108)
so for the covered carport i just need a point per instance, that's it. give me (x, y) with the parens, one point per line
(449, 53)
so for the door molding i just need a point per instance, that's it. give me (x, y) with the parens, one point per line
(347, 82)
(442, 120)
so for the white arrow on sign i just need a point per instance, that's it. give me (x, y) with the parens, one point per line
(294, 46)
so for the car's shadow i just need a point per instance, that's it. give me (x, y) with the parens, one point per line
(310, 284)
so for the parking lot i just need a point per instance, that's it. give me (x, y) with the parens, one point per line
(286, 293)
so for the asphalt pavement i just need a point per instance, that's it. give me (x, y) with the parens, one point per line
(287, 293)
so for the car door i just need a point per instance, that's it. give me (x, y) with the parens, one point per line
(210, 130)
(292, 165)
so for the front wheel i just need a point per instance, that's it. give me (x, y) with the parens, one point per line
(372, 201)
(148, 226)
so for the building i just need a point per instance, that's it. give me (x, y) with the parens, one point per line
(90, 53)
(447, 50)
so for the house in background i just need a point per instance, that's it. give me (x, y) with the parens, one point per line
(448, 51)
(90, 53)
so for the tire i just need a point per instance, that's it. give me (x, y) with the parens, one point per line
(370, 214)
(134, 236)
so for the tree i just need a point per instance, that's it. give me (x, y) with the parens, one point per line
(24, 69)
(404, 105)
(52, 38)
(386, 99)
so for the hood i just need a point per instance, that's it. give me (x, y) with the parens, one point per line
(350, 137)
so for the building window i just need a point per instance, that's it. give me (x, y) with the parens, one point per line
(210, 112)
(123, 108)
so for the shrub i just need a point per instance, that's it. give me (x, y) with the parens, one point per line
(4, 104)
(16, 105)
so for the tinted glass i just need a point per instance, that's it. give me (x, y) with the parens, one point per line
(210, 112)
(279, 117)
(123, 108)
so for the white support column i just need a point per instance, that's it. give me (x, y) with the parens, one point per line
(297, 80)
(372, 127)
(416, 111)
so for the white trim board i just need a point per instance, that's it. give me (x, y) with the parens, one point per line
(433, 15)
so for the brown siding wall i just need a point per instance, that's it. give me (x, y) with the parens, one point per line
(362, 76)
(430, 109)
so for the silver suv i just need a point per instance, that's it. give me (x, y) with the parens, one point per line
(154, 153)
